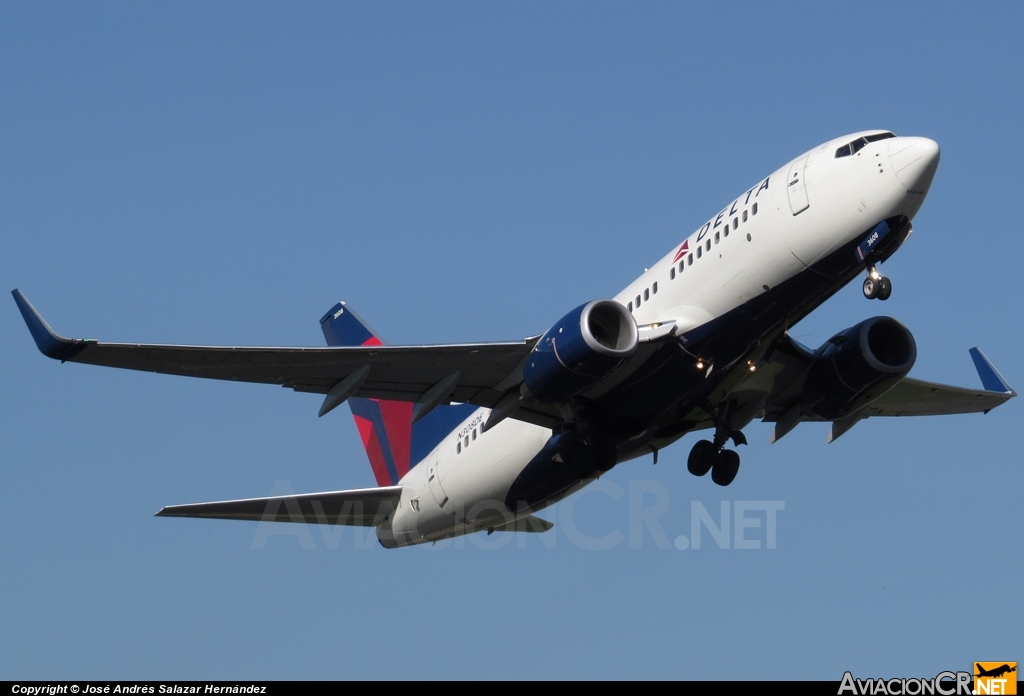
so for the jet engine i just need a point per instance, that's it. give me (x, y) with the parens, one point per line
(581, 349)
(856, 366)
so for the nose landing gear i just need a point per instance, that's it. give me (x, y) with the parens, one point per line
(877, 286)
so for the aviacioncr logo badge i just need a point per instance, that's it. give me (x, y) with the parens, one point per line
(995, 677)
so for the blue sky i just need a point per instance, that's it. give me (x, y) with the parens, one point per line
(222, 173)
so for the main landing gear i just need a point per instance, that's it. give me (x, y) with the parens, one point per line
(709, 456)
(877, 286)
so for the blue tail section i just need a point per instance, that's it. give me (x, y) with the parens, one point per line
(392, 445)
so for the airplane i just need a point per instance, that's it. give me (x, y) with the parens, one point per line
(995, 672)
(465, 438)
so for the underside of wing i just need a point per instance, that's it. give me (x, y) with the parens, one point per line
(782, 383)
(912, 397)
(365, 507)
(485, 371)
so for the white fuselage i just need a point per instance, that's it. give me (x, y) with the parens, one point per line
(776, 229)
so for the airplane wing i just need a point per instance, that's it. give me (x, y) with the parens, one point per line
(485, 371)
(912, 397)
(365, 507)
(909, 397)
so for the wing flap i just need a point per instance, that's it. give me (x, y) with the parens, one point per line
(365, 507)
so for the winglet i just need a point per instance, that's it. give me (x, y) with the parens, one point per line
(990, 377)
(50, 344)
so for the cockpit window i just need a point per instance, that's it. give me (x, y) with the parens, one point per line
(856, 145)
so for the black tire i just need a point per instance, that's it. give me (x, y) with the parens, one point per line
(870, 288)
(727, 464)
(702, 458)
(884, 289)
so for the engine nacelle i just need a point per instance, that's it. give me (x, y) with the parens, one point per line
(581, 349)
(856, 366)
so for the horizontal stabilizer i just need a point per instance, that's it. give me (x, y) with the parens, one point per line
(526, 523)
(365, 507)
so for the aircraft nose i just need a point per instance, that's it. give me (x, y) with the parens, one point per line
(914, 161)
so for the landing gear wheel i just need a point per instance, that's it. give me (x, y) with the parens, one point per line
(871, 288)
(884, 289)
(727, 464)
(702, 458)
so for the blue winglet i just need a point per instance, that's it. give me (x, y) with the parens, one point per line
(50, 344)
(990, 377)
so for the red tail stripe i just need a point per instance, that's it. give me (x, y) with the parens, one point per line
(397, 422)
(373, 451)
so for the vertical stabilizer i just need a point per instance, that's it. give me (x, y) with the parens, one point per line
(392, 444)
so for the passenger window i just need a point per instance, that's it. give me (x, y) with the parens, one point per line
(647, 295)
(630, 307)
(689, 260)
(753, 209)
(474, 433)
(458, 448)
(638, 302)
(654, 288)
(726, 233)
(744, 216)
(707, 245)
(681, 265)
(466, 443)
(699, 250)
(735, 223)
(672, 273)
(716, 238)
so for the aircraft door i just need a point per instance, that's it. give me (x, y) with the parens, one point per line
(434, 480)
(796, 188)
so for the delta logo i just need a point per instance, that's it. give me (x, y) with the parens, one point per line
(682, 251)
(995, 678)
